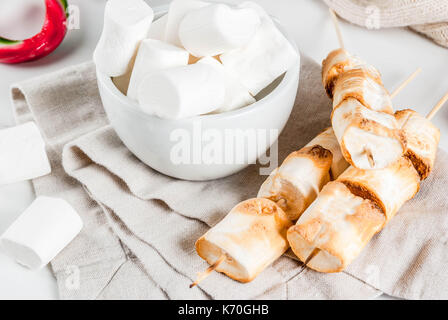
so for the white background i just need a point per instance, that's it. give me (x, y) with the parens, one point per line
(395, 52)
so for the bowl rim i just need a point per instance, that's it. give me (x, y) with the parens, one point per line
(289, 77)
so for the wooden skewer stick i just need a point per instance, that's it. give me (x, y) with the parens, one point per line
(336, 27)
(405, 83)
(206, 273)
(437, 107)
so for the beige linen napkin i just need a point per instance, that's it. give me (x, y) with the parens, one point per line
(141, 226)
(428, 17)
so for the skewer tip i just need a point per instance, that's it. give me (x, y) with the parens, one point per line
(206, 273)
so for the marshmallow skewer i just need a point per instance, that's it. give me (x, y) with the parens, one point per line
(338, 238)
(367, 131)
(299, 179)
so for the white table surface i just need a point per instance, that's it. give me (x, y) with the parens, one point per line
(395, 52)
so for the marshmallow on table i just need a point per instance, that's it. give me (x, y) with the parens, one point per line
(217, 28)
(250, 237)
(266, 57)
(422, 139)
(23, 155)
(46, 227)
(176, 12)
(182, 92)
(154, 55)
(126, 23)
(236, 95)
(368, 139)
(157, 30)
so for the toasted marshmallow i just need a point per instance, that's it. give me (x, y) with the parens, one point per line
(297, 182)
(368, 139)
(46, 227)
(182, 92)
(126, 23)
(154, 55)
(328, 140)
(266, 57)
(217, 28)
(236, 95)
(176, 12)
(339, 224)
(251, 237)
(422, 139)
(358, 85)
(389, 188)
(23, 154)
(340, 61)
(158, 27)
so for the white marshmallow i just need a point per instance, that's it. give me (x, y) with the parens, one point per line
(46, 227)
(182, 92)
(236, 95)
(217, 28)
(267, 56)
(157, 30)
(154, 55)
(126, 23)
(23, 154)
(177, 11)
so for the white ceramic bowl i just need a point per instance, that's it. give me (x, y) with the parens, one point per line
(150, 138)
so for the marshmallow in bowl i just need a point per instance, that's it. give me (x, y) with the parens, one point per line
(126, 23)
(182, 92)
(46, 227)
(23, 155)
(176, 12)
(157, 30)
(217, 28)
(154, 55)
(237, 96)
(267, 56)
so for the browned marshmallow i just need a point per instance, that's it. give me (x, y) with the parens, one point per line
(339, 224)
(389, 188)
(339, 61)
(422, 140)
(369, 139)
(251, 237)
